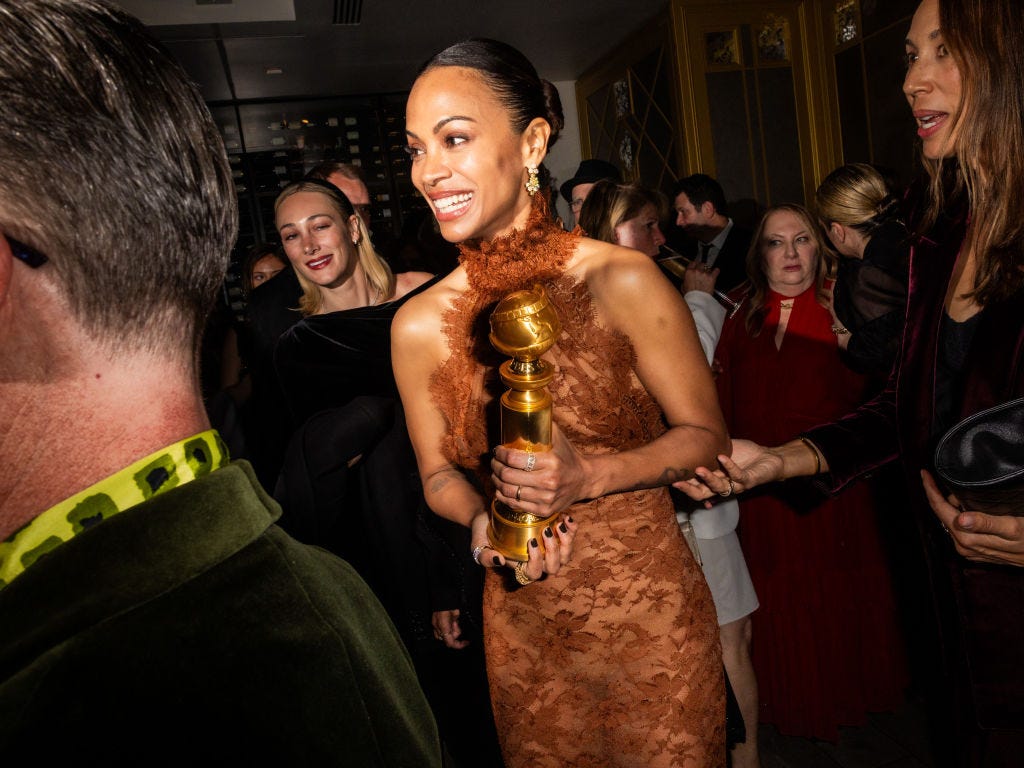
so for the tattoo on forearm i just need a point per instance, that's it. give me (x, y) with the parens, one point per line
(437, 481)
(674, 475)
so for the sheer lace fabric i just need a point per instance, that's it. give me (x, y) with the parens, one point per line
(615, 661)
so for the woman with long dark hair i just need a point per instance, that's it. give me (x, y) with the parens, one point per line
(962, 352)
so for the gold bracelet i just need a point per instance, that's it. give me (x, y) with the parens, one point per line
(839, 330)
(812, 449)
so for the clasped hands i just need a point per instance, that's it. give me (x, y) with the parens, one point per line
(975, 535)
(749, 465)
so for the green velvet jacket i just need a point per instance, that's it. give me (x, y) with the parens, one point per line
(190, 629)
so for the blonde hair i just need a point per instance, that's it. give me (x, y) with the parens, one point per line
(378, 273)
(611, 203)
(856, 196)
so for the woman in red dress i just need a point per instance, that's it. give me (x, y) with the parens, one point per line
(826, 645)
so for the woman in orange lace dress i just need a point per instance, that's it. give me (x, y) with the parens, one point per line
(608, 655)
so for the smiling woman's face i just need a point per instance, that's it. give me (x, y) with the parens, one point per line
(467, 161)
(932, 84)
(317, 238)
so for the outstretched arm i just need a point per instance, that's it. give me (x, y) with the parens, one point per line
(751, 465)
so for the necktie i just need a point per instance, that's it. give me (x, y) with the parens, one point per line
(705, 248)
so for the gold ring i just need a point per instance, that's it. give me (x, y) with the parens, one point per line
(531, 462)
(520, 571)
(519, 490)
(732, 489)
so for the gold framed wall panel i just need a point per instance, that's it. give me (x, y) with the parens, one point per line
(862, 75)
(792, 44)
(632, 96)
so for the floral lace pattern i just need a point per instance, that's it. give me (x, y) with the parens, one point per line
(615, 661)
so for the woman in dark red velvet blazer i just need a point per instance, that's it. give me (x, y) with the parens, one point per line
(962, 351)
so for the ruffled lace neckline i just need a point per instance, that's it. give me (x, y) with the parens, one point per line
(515, 261)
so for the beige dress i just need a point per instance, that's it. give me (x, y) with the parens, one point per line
(615, 661)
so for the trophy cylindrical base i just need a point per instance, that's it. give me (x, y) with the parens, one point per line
(512, 538)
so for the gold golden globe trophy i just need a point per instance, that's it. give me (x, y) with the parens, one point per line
(523, 325)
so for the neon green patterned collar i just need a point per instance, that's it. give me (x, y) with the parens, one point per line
(161, 471)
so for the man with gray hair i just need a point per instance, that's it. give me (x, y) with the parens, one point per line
(150, 609)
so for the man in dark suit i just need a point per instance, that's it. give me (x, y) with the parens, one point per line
(715, 240)
(152, 611)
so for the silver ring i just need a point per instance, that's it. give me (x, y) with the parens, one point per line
(730, 492)
(531, 462)
(519, 490)
(476, 553)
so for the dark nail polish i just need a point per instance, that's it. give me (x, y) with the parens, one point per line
(496, 560)
(548, 533)
(533, 543)
(562, 528)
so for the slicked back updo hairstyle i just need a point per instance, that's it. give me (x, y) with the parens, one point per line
(514, 80)
(856, 196)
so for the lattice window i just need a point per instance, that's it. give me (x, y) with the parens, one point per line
(630, 121)
(845, 19)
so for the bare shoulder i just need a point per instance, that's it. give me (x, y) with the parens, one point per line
(618, 276)
(419, 320)
(409, 281)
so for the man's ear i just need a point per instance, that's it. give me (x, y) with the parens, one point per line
(707, 209)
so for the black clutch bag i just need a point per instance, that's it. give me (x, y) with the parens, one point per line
(981, 460)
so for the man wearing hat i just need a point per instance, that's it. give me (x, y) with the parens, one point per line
(576, 189)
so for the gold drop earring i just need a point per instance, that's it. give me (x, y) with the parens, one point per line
(533, 182)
